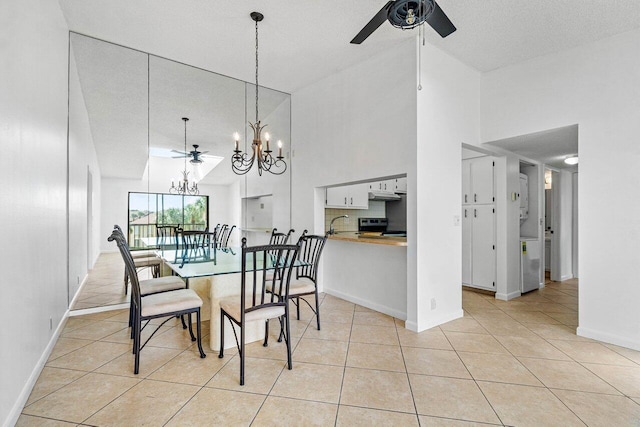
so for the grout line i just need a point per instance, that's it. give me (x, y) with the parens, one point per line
(406, 371)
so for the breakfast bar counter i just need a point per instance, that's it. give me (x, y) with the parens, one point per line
(374, 238)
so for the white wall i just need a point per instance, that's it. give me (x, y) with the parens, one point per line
(82, 160)
(595, 86)
(447, 116)
(563, 189)
(33, 195)
(355, 125)
(574, 225)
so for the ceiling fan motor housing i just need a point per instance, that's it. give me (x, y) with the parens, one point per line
(407, 14)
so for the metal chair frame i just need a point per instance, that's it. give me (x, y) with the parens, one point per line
(282, 259)
(138, 318)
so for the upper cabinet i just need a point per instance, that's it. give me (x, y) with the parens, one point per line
(348, 197)
(477, 180)
(401, 185)
(396, 185)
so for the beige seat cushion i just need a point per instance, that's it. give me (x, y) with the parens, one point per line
(168, 302)
(231, 305)
(146, 262)
(301, 286)
(161, 284)
(143, 254)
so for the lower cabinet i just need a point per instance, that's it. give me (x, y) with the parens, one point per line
(479, 246)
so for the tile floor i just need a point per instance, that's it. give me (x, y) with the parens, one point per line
(515, 363)
(105, 283)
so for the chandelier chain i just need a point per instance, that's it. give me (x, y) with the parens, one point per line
(256, 71)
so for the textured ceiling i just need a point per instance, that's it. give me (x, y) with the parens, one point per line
(303, 41)
(550, 147)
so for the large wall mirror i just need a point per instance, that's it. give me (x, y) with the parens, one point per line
(126, 130)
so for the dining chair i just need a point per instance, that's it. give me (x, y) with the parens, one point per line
(167, 235)
(141, 262)
(225, 234)
(255, 303)
(150, 286)
(165, 304)
(305, 282)
(280, 238)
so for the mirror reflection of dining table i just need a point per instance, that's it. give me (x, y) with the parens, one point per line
(214, 274)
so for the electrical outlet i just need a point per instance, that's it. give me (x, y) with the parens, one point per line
(51, 323)
(78, 279)
(433, 303)
(456, 220)
(346, 221)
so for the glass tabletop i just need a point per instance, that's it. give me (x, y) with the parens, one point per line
(202, 262)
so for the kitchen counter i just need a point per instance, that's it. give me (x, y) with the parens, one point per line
(369, 238)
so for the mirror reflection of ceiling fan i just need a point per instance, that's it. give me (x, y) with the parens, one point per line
(407, 14)
(195, 155)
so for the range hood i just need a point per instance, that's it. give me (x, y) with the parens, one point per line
(382, 195)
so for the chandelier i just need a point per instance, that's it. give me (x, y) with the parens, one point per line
(241, 163)
(183, 186)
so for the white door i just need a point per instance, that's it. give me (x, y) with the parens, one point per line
(483, 243)
(467, 227)
(482, 180)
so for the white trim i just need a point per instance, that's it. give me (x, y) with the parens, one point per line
(100, 309)
(365, 303)
(566, 277)
(75, 297)
(509, 296)
(447, 317)
(608, 338)
(16, 410)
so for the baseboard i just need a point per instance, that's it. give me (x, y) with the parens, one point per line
(100, 309)
(608, 338)
(509, 296)
(75, 297)
(369, 304)
(15, 412)
(566, 277)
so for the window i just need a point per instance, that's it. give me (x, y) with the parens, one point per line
(147, 210)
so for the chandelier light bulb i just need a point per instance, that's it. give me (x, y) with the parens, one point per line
(573, 160)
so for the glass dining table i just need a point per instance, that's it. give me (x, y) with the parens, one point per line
(214, 273)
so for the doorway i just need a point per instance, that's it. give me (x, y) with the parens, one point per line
(89, 220)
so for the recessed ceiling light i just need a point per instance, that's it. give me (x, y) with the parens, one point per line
(571, 160)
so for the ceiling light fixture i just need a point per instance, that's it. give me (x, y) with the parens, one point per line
(241, 163)
(183, 186)
(573, 160)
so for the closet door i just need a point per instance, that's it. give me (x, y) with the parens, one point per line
(483, 263)
(482, 180)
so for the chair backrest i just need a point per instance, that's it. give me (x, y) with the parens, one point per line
(256, 262)
(311, 247)
(225, 234)
(167, 235)
(196, 239)
(280, 238)
(128, 263)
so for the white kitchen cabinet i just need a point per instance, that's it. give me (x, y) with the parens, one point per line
(348, 197)
(401, 185)
(386, 186)
(477, 180)
(478, 247)
(524, 196)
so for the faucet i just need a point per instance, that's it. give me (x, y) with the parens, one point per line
(331, 230)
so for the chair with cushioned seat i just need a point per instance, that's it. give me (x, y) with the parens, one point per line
(141, 261)
(164, 304)
(305, 282)
(151, 286)
(225, 234)
(254, 302)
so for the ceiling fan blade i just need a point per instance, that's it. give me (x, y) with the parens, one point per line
(373, 25)
(180, 157)
(203, 152)
(440, 22)
(184, 153)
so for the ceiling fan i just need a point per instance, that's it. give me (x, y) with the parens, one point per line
(194, 154)
(407, 14)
